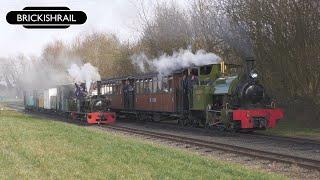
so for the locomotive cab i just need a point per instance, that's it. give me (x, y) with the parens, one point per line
(92, 105)
(212, 80)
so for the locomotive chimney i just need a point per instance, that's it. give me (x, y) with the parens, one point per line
(99, 88)
(249, 64)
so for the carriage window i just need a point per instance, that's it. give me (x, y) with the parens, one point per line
(159, 84)
(141, 86)
(119, 86)
(146, 86)
(102, 89)
(137, 87)
(115, 92)
(165, 85)
(150, 86)
(112, 89)
(108, 89)
(155, 84)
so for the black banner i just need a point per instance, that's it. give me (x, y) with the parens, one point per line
(46, 17)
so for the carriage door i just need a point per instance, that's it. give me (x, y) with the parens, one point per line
(128, 94)
(183, 93)
(131, 94)
(178, 86)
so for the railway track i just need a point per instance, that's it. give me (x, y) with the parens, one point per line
(299, 140)
(284, 138)
(271, 156)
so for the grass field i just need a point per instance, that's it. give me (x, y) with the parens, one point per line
(39, 149)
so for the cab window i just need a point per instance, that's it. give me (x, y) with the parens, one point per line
(205, 70)
(232, 69)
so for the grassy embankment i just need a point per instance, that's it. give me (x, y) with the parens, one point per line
(294, 129)
(33, 148)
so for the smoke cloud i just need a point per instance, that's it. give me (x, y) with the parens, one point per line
(27, 73)
(182, 59)
(84, 74)
(37, 73)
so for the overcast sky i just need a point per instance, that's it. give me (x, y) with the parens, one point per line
(117, 16)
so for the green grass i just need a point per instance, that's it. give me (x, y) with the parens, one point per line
(32, 148)
(294, 129)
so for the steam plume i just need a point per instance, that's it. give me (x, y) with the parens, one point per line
(84, 74)
(183, 58)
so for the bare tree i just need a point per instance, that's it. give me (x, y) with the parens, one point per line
(104, 51)
(168, 31)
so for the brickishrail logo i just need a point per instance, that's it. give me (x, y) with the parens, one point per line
(46, 17)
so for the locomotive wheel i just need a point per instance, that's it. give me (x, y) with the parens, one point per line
(233, 127)
(189, 120)
(230, 129)
(195, 123)
(207, 126)
(138, 117)
(183, 120)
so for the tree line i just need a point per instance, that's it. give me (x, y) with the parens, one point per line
(283, 36)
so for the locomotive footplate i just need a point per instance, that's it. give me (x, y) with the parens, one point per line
(101, 118)
(95, 117)
(257, 118)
